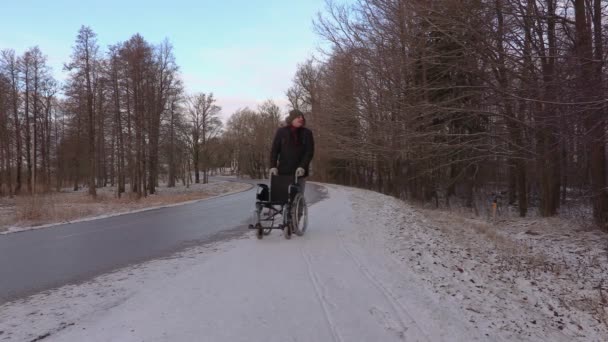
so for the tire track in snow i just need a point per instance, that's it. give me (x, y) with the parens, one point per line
(315, 283)
(399, 310)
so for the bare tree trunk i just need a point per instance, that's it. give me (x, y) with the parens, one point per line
(15, 102)
(118, 128)
(172, 166)
(5, 137)
(591, 87)
(130, 159)
(75, 159)
(28, 137)
(113, 157)
(196, 162)
(100, 160)
(58, 161)
(46, 146)
(35, 101)
(138, 141)
(154, 133)
(163, 62)
(517, 169)
(91, 122)
(9, 161)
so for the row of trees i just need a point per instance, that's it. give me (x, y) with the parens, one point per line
(249, 136)
(27, 109)
(121, 118)
(434, 99)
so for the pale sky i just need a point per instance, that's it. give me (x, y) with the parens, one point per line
(244, 51)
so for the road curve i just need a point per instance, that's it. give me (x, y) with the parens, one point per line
(38, 260)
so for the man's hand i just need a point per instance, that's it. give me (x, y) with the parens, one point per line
(274, 171)
(300, 172)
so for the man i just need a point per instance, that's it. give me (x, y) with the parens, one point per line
(292, 148)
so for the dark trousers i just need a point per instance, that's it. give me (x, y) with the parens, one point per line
(302, 184)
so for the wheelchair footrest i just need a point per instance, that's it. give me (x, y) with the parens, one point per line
(281, 227)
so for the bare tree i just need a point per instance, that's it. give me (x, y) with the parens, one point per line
(83, 67)
(590, 86)
(205, 125)
(249, 135)
(10, 68)
(117, 110)
(461, 99)
(5, 155)
(166, 85)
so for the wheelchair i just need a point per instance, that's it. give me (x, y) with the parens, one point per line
(280, 206)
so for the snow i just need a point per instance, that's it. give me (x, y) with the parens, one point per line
(508, 283)
(364, 271)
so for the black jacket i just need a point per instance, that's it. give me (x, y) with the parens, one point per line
(288, 153)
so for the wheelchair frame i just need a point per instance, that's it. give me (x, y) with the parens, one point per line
(292, 206)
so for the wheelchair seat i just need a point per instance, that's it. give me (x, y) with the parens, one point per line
(279, 188)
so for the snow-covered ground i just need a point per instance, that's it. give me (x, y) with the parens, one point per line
(520, 279)
(370, 268)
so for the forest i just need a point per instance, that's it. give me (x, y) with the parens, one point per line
(439, 102)
(473, 100)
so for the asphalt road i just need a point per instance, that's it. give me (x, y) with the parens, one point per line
(38, 260)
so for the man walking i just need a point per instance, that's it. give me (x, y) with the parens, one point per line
(292, 148)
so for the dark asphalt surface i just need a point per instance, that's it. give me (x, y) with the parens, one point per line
(38, 260)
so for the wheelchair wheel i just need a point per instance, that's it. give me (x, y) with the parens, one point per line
(299, 215)
(263, 230)
(259, 231)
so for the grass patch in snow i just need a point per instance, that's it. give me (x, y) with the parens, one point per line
(65, 206)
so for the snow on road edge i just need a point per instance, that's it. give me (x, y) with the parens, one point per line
(17, 229)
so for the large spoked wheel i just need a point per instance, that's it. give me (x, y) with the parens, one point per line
(299, 215)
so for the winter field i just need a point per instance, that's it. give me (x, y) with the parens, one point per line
(29, 212)
(370, 268)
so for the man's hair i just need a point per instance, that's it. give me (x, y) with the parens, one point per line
(294, 113)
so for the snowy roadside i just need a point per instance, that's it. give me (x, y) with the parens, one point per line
(73, 207)
(370, 268)
(525, 279)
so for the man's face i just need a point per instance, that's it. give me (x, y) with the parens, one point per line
(298, 122)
